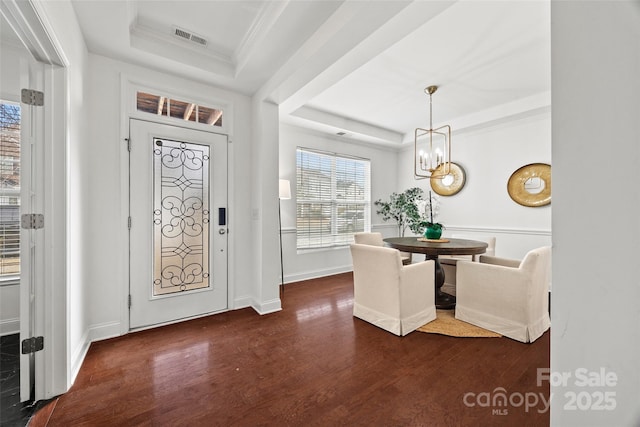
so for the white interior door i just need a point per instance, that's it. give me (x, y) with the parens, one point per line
(31, 237)
(178, 234)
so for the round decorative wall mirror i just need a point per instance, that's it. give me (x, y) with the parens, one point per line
(530, 185)
(451, 183)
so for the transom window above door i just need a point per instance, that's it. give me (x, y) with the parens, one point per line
(181, 110)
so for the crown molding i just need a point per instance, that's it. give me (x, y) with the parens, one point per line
(261, 26)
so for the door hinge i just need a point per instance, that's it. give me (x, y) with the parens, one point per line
(128, 144)
(129, 223)
(129, 300)
(33, 344)
(32, 97)
(32, 221)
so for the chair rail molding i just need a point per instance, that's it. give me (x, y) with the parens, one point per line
(315, 263)
(385, 225)
(499, 230)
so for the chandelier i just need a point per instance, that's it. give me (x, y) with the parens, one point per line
(432, 148)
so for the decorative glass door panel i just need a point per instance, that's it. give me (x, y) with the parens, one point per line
(180, 216)
(178, 252)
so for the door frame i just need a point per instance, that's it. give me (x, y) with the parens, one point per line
(212, 257)
(52, 365)
(31, 201)
(129, 85)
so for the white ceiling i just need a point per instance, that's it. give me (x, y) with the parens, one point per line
(354, 66)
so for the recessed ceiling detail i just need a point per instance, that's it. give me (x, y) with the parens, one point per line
(170, 44)
(348, 66)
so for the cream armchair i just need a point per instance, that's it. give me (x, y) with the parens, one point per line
(506, 296)
(375, 239)
(396, 298)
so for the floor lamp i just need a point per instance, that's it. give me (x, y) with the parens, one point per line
(284, 194)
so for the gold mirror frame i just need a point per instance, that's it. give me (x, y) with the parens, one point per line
(516, 185)
(459, 179)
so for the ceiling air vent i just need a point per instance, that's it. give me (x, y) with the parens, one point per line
(186, 35)
(198, 39)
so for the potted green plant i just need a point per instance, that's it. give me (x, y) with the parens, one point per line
(411, 210)
(403, 208)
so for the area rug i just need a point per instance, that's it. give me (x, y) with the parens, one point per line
(447, 324)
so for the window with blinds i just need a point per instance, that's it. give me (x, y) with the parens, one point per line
(10, 118)
(333, 198)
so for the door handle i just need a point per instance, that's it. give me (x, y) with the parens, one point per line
(222, 231)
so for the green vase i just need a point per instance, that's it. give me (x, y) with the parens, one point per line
(433, 233)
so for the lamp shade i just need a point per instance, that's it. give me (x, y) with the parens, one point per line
(285, 189)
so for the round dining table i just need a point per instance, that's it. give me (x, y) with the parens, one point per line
(432, 249)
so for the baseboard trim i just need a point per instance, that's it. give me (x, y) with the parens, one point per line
(242, 302)
(268, 306)
(104, 331)
(78, 356)
(94, 333)
(314, 274)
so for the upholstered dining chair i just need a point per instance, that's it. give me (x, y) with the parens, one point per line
(375, 239)
(449, 262)
(397, 298)
(509, 297)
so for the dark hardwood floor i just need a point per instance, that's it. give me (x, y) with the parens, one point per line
(13, 413)
(313, 364)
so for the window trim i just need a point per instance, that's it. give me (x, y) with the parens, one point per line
(131, 85)
(334, 202)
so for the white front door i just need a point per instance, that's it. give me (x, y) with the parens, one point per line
(178, 235)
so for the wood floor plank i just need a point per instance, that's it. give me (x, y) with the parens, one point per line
(312, 363)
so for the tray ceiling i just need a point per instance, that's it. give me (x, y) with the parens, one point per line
(351, 66)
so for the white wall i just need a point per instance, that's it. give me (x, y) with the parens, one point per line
(596, 226)
(263, 163)
(106, 170)
(316, 263)
(489, 155)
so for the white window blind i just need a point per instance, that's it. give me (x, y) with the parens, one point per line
(333, 198)
(10, 118)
